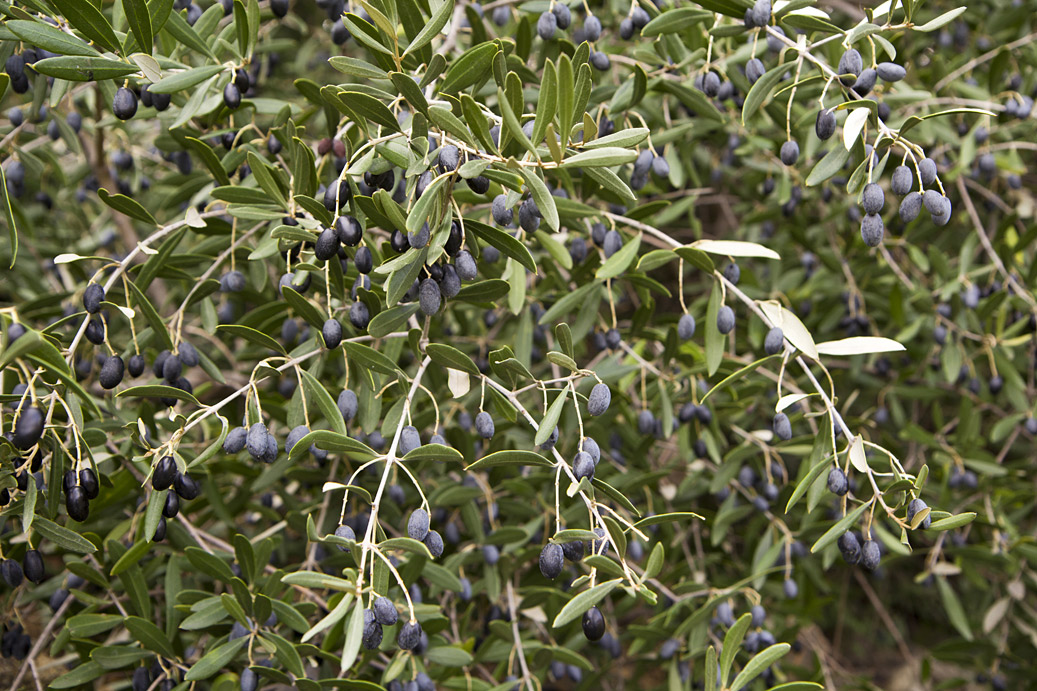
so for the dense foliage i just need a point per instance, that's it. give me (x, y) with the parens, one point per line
(413, 344)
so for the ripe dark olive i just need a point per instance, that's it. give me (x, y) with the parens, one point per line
(871, 555)
(76, 503)
(32, 563)
(12, 572)
(280, 9)
(429, 297)
(136, 365)
(172, 506)
(725, 319)
(837, 482)
(593, 624)
(479, 184)
(141, 679)
(232, 96)
(186, 486)
(93, 296)
(112, 372)
(363, 260)
(913, 508)
(332, 333)
(349, 231)
(326, 246)
(420, 237)
(484, 425)
(165, 473)
(172, 368)
(418, 524)
(551, 560)
(359, 315)
(88, 481)
(250, 680)
(502, 215)
(789, 152)
(466, 267)
(28, 429)
(124, 105)
(850, 548)
(409, 636)
(774, 342)
(873, 198)
(385, 611)
(235, 440)
(850, 66)
(344, 531)
(434, 541)
(160, 531)
(372, 631)
(348, 404)
(599, 399)
(546, 25)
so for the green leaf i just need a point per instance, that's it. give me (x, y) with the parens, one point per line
(605, 156)
(511, 457)
(503, 241)
(666, 518)
(335, 442)
(390, 320)
(150, 636)
(371, 108)
(369, 357)
(138, 550)
(828, 166)
(50, 38)
(84, 69)
(952, 522)
(406, 544)
(546, 102)
(448, 356)
(554, 412)
(158, 327)
(265, 178)
(354, 635)
(209, 158)
(62, 537)
(542, 196)
(759, 91)
(714, 339)
(468, 68)
(840, 527)
(316, 392)
(83, 674)
(762, 660)
(450, 656)
(216, 659)
(158, 391)
(126, 205)
(252, 336)
(303, 307)
(436, 23)
(620, 261)
(12, 229)
(675, 20)
(86, 17)
(434, 452)
(821, 445)
(584, 601)
(732, 642)
(183, 32)
(139, 19)
(942, 20)
(629, 137)
(29, 504)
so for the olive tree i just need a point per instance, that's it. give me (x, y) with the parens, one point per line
(415, 344)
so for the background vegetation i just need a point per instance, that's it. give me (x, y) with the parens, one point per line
(412, 344)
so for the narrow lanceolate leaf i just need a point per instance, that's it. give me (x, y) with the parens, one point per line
(734, 248)
(554, 412)
(760, 662)
(354, 634)
(440, 15)
(761, 90)
(620, 261)
(84, 69)
(844, 524)
(859, 345)
(584, 601)
(605, 156)
(12, 229)
(542, 196)
(50, 38)
(511, 457)
(216, 659)
(87, 18)
(472, 66)
(714, 339)
(139, 19)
